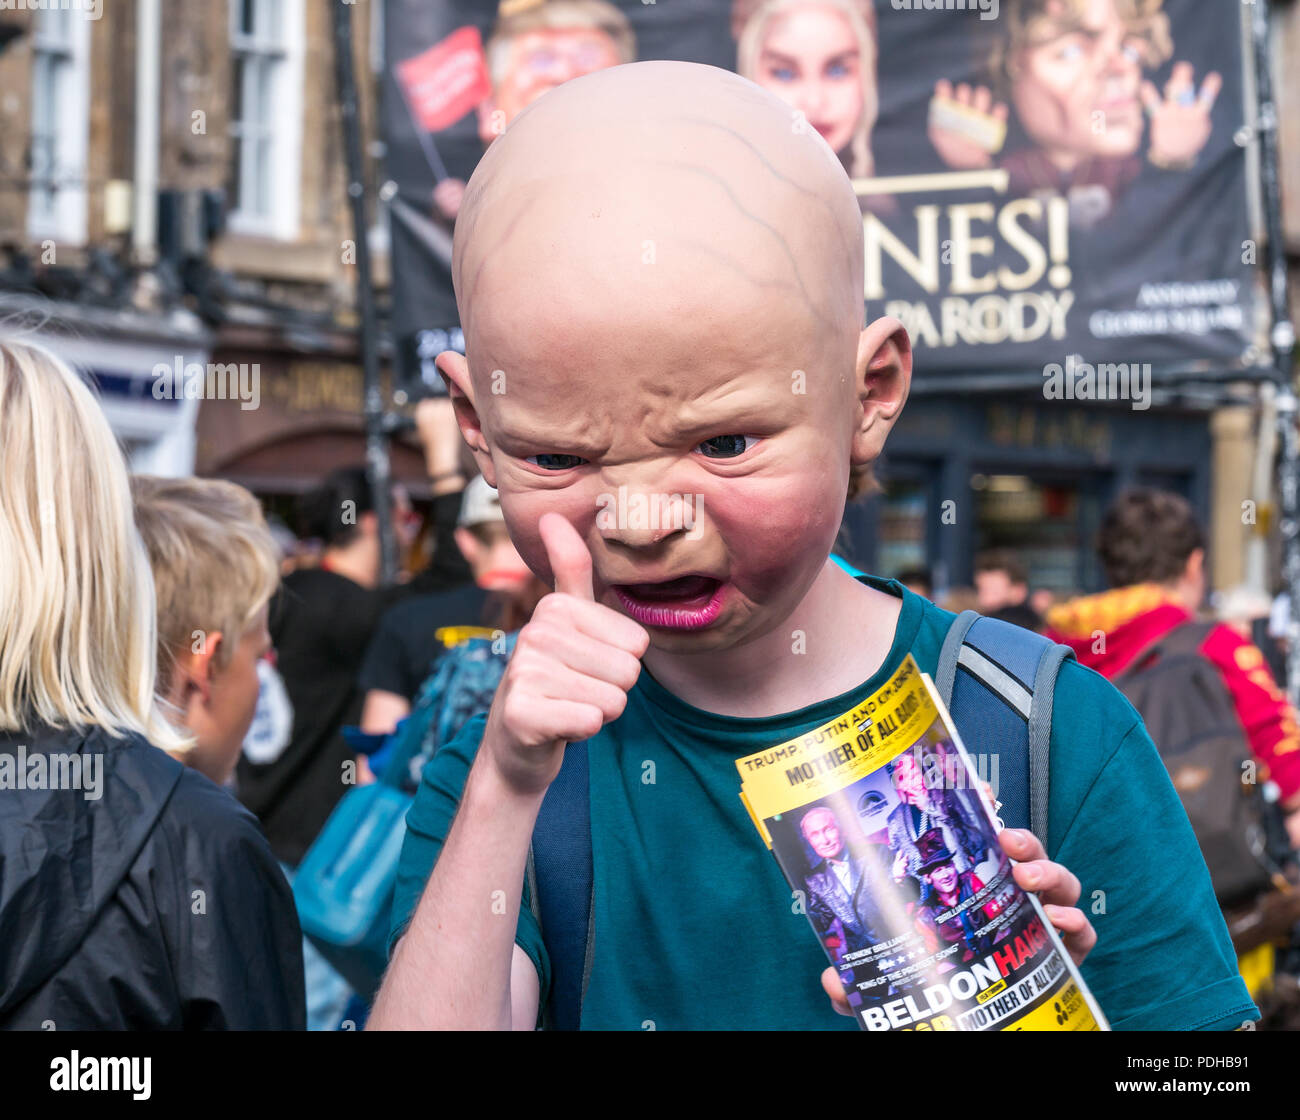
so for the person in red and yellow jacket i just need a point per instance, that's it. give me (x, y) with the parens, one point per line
(1153, 552)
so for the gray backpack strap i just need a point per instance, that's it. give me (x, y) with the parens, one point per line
(1040, 736)
(1002, 704)
(946, 673)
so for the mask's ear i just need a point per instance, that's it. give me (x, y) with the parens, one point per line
(455, 372)
(884, 376)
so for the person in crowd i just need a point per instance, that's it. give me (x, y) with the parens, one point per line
(1001, 580)
(412, 636)
(215, 568)
(321, 623)
(671, 646)
(136, 894)
(1153, 552)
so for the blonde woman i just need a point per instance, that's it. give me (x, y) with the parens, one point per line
(136, 893)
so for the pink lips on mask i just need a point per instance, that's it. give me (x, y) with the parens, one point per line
(686, 603)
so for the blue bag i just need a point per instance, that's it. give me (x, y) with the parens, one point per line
(344, 886)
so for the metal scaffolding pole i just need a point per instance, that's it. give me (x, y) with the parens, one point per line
(1282, 340)
(377, 466)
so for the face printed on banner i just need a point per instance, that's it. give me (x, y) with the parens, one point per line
(822, 833)
(1077, 90)
(542, 60)
(544, 47)
(810, 58)
(681, 387)
(819, 56)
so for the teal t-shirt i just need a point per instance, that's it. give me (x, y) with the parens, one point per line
(696, 927)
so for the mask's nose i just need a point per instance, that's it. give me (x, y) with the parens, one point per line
(644, 518)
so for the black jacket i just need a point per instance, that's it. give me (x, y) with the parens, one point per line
(144, 898)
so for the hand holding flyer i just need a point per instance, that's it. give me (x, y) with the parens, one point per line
(954, 942)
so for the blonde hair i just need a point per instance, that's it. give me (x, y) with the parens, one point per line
(749, 20)
(76, 595)
(215, 563)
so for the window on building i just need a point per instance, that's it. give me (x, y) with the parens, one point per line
(60, 124)
(1050, 523)
(266, 50)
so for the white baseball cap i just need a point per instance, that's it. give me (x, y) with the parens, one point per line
(479, 505)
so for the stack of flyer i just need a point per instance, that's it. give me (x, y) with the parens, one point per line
(887, 836)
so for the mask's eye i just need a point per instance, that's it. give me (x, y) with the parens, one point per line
(555, 462)
(726, 447)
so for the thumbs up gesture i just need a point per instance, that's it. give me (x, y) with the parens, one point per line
(570, 672)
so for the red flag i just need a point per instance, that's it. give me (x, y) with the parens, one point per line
(446, 81)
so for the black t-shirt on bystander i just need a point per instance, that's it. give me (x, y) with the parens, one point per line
(406, 644)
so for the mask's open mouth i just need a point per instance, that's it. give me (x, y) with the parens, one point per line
(685, 603)
(683, 591)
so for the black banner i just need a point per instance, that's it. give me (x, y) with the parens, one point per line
(1046, 185)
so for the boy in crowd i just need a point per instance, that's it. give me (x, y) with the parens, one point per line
(1000, 580)
(215, 568)
(1153, 552)
(660, 280)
